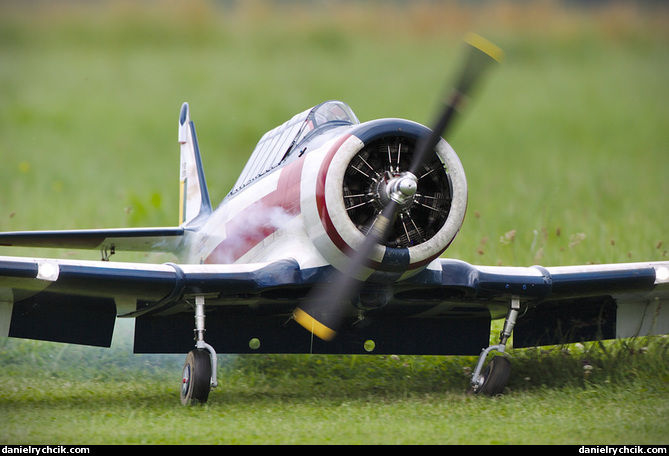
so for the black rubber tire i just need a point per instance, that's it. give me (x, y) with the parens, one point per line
(196, 377)
(495, 377)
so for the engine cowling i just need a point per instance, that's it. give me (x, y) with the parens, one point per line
(358, 174)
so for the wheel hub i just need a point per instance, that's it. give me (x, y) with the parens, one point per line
(185, 380)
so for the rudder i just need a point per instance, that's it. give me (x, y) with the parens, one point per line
(194, 199)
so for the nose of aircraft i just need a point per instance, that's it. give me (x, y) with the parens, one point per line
(401, 188)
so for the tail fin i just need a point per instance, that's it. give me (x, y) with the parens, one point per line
(194, 199)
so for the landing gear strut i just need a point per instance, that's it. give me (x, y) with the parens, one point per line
(492, 380)
(199, 372)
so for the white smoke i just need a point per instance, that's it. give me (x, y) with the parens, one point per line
(249, 228)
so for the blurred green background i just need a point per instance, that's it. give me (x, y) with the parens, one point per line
(564, 145)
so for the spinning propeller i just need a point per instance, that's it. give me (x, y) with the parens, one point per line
(323, 311)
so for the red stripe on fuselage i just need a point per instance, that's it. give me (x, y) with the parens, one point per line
(261, 218)
(323, 213)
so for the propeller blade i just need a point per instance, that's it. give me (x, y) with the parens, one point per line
(323, 311)
(481, 53)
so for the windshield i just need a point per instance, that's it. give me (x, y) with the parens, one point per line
(330, 111)
(277, 144)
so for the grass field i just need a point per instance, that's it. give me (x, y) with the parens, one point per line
(565, 148)
(98, 396)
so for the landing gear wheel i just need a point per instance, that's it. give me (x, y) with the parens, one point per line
(495, 377)
(196, 377)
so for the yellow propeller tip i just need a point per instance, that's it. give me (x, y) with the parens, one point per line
(485, 45)
(312, 325)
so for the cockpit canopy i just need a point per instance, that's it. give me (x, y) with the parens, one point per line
(278, 145)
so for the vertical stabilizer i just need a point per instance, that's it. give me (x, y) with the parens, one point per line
(193, 194)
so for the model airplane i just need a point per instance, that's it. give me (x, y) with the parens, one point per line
(335, 226)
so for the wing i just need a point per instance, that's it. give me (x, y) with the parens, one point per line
(132, 239)
(597, 302)
(570, 303)
(78, 301)
(446, 309)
